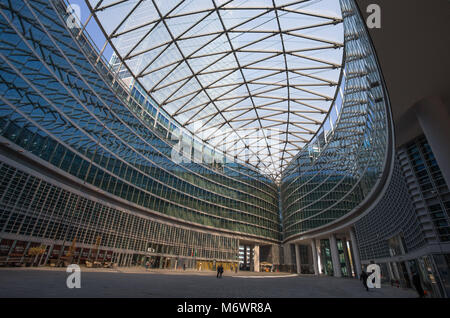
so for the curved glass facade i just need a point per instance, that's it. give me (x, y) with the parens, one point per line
(59, 102)
(254, 79)
(88, 155)
(341, 166)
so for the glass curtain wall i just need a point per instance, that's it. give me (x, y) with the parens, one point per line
(60, 103)
(340, 168)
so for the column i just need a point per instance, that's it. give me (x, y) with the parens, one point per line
(408, 270)
(395, 270)
(50, 250)
(275, 254)
(335, 257)
(61, 252)
(25, 253)
(319, 257)
(314, 257)
(347, 258)
(42, 256)
(297, 259)
(79, 256)
(256, 258)
(287, 259)
(434, 118)
(355, 252)
(391, 273)
(252, 263)
(245, 257)
(11, 249)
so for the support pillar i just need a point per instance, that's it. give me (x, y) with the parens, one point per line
(395, 271)
(11, 249)
(252, 260)
(42, 256)
(50, 250)
(347, 258)
(335, 257)
(25, 252)
(391, 273)
(355, 252)
(297, 259)
(434, 118)
(314, 257)
(319, 258)
(256, 258)
(245, 257)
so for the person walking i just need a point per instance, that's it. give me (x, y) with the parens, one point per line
(364, 277)
(218, 271)
(417, 284)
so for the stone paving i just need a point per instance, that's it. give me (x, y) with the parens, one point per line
(24, 282)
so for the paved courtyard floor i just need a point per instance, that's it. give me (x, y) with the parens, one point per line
(24, 282)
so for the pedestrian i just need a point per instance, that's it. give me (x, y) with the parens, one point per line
(184, 267)
(218, 271)
(364, 277)
(221, 270)
(417, 284)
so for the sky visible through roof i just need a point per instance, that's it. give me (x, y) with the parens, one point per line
(254, 79)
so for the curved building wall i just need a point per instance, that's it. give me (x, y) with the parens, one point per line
(61, 106)
(37, 212)
(393, 215)
(341, 168)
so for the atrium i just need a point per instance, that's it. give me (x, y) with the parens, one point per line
(187, 134)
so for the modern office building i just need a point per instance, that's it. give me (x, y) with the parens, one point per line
(259, 135)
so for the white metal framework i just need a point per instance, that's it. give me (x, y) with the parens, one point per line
(254, 79)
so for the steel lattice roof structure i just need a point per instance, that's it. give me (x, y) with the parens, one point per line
(255, 79)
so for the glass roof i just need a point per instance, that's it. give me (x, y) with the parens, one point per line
(254, 79)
